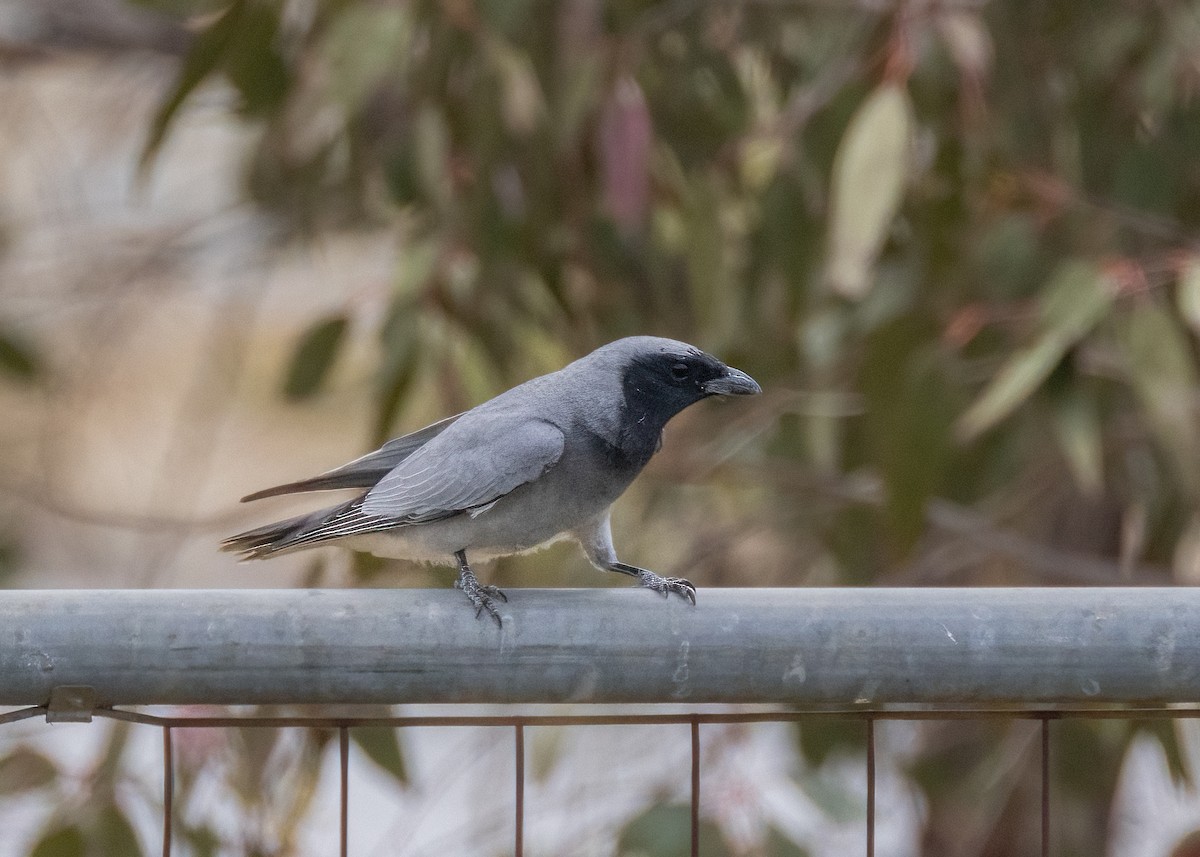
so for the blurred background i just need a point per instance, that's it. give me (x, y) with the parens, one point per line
(956, 242)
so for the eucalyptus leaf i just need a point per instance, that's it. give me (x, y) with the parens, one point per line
(113, 834)
(1070, 306)
(1016, 381)
(870, 173)
(314, 357)
(18, 359)
(382, 746)
(1163, 375)
(820, 739)
(1080, 435)
(665, 831)
(1187, 295)
(779, 845)
(364, 47)
(61, 842)
(203, 59)
(24, 769)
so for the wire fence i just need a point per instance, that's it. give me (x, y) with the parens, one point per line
(517, 725)
(862, 655)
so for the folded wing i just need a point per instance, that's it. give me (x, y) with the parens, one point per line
(475, 464)
(452, 473)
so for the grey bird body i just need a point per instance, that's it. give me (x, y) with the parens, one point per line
(542, 461)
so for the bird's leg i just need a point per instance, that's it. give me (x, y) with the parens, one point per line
(595, 536)
(658, 583)
(483, 597)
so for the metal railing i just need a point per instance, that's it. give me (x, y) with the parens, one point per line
(863, 654)
(799, 647)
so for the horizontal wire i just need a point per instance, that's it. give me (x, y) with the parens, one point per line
(399, 721)
(22, 714)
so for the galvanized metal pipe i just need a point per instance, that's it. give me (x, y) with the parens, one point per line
(870, 647)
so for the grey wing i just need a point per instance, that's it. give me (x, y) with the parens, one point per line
(365, 471)
(474, 465)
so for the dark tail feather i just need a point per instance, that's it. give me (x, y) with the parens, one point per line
(362, 472)
(280, 536)
(330, 482)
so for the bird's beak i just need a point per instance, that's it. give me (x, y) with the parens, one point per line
(734, 382)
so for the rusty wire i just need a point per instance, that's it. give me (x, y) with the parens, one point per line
(519, 722)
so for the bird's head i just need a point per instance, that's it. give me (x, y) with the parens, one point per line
(665, 376)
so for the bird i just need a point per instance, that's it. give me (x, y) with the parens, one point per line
(543, 461)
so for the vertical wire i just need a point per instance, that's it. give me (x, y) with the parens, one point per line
(1045, 787)
(519, 749)
(168, 788)
(870, 787)
(344, 764)
(695, 787)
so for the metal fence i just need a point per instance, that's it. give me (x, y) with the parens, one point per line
(863, 654)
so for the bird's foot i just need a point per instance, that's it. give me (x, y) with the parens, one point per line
(483, 597)
(666, 585)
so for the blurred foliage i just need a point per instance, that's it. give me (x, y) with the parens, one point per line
(18, 359)
(87, 822)
(665, 831)
(382, 746)
(314, 357)
(956, 242)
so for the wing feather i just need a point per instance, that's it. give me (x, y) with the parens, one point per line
(472, 464)
(365, 471)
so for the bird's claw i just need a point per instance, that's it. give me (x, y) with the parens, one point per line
(483, 597)
(495, 592)
(666, 585)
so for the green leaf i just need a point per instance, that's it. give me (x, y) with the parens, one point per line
(1075, 299)
(836, 800)
(1013, 384)
(61, 842)
(243, 42)
(870, 172)
(522, 102)
(202, 841)
(253, 62)
(400, 339)
(208, 50)
(431, 153)
(24, 769)
(819, 739)
(1081, 438)
(113, 834)
(18, 358)
(779, 845)
(1187, 295)
(314, 357)
(666, 831)
(382, 746)
(1163, 376)
(364, 46)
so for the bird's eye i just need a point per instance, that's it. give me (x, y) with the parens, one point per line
(680, 371)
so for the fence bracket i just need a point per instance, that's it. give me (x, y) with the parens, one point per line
(71, 703)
